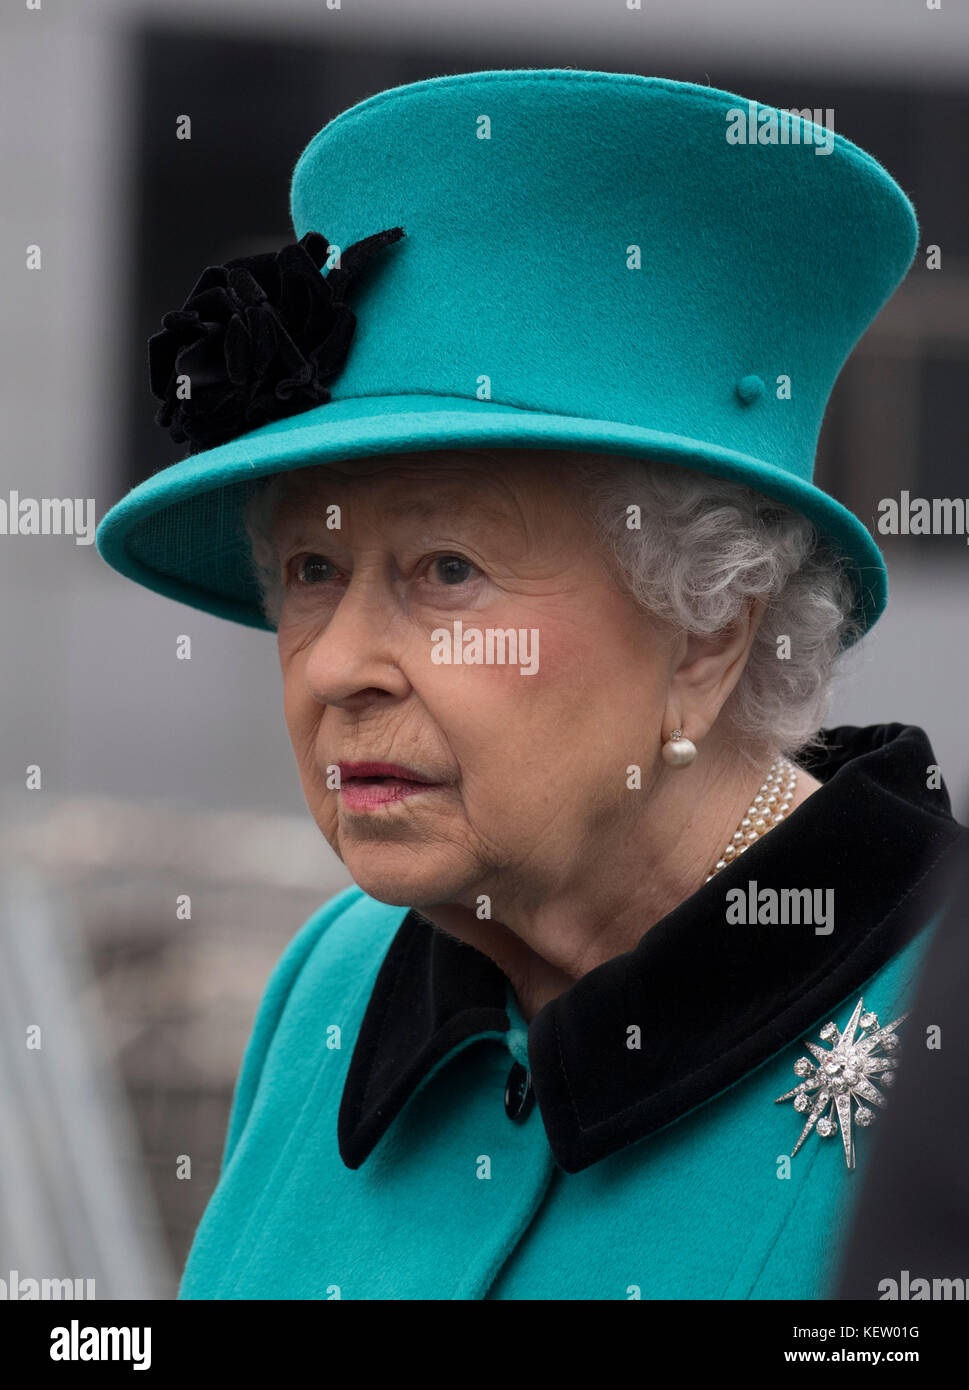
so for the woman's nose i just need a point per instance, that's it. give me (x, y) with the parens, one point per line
(354, 659)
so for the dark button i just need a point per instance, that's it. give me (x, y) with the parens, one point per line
(519, 1096)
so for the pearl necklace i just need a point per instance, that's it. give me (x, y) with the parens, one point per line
(768, 808)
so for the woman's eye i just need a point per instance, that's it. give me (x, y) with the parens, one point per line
(452, 569)
(312, 569)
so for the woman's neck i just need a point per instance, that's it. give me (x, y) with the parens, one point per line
(614, 898)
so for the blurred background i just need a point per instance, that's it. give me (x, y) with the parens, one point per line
(163, 778)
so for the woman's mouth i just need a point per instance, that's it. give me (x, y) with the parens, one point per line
(365, 786)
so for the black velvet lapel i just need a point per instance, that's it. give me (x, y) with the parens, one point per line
(432, 993)
(713, 1000)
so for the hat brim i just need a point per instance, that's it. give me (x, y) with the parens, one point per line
(181, 531)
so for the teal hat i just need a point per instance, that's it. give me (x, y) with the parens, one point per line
(555, 259)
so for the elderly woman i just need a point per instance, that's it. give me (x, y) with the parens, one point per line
(557, 608)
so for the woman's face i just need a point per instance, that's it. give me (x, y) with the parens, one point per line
(518, 762)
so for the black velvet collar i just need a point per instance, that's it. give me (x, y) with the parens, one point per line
(713, 1001)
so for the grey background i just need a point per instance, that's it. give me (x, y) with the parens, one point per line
(164, 777)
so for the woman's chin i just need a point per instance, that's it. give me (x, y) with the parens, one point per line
(407, 885)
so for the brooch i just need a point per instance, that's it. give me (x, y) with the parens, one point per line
(844, 1073)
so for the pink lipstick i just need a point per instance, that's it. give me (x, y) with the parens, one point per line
(364, 786)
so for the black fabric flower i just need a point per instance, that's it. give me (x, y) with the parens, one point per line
(258, 339)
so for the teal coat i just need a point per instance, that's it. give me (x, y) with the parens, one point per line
(371, 1154)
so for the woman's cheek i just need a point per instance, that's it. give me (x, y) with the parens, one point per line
(328, 820)
(481, 709)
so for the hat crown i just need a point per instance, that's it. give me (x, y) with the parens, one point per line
(592, 244)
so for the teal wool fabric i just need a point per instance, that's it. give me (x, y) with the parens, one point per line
(459, 1202)
(589, 263)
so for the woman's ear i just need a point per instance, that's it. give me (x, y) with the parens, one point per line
(708, 669)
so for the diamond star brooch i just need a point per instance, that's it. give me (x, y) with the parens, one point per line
(842, 1074)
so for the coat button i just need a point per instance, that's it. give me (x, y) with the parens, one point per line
(519, 1096)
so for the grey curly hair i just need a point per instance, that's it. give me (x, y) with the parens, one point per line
(704, 548)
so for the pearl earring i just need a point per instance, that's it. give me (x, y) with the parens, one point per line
(678, 751)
